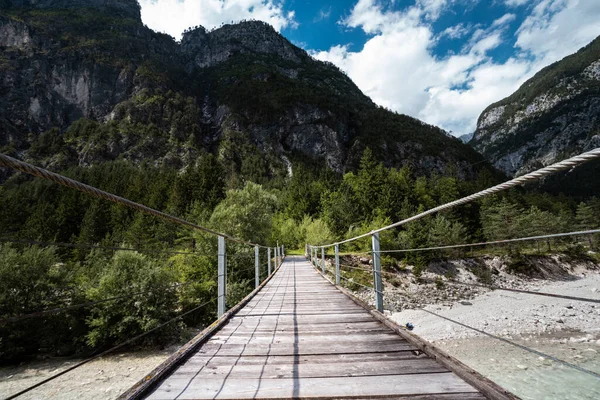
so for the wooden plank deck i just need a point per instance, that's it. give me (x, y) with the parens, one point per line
(300, 337)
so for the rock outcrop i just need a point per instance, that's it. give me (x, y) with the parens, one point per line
(554, 115)
(114, 89)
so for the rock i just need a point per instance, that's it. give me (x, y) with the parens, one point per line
(561, 112)
(466, 303)
(522, 367)
(594, 290)
(570, 307)
(560, 321)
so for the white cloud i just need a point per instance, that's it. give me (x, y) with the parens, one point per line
(557, 28)
(516, 3)
(323, 14)
(503, 20)
(397, 67)
(174, 16)
(455, 32)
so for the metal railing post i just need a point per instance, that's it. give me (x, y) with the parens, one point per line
(222, 282)
(377, 273)
(323, 260)
(256, 267)
(269, 258)
(337, 264)
(283, 250)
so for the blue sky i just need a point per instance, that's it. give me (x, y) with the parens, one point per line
(442, 61)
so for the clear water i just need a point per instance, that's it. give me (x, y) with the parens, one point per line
(529, 376)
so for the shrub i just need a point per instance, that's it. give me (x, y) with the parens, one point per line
(31, 280)
(150, 300)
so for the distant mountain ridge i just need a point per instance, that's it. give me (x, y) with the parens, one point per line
(554, 115)
(114, 89)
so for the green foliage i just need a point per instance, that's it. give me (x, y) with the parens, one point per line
(317, 231)
(586, 217)
(446, 233)
(246, 213)
(33, 279)
(149, 300)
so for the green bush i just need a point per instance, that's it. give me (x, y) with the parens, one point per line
(31, 280)
(150, 300)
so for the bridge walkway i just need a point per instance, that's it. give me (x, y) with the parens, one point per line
(300, 337)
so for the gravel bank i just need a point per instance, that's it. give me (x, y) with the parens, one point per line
(105, 378)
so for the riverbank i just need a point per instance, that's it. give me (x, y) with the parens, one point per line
(105, 378)
(566, 329)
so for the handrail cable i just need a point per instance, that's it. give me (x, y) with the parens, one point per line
(530, 177)
(454, 246)
(81, 305)
(539, 353)
(492, 287)
(79, 364)
(92, 191)
(93, 246)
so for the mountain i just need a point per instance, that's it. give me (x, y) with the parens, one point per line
(554, 115)
(466, 137)
(83, 82)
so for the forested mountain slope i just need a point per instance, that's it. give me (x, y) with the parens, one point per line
(87, 82)
(554, 115)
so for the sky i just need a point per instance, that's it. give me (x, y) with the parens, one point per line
(442, 61)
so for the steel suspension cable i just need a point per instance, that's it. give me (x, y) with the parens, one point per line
(81, 305)
(79, 364)
(92, 191)
(539, 353)
(455, 246)
(559, 296)
(530, 177)
(91, 246)
(490, 287)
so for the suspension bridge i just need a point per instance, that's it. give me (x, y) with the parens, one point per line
(299, 334)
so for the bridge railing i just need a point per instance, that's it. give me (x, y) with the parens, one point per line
(266, 258)
(317, 253)
(313, 250)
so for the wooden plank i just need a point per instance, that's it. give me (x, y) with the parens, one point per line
(310, 370)
(239, 388)
(314, 319)
(200, 360)
(307, 328)
(282, 349)
(301, 337)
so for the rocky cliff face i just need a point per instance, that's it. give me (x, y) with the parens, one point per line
(123, 8)
(208, 49)
(114, 89)
(554, 115)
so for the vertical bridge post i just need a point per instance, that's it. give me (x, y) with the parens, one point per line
(269, 260)
(256, 267)
(323, 260)
(377, 273)
(337, 264)
(221, 277)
